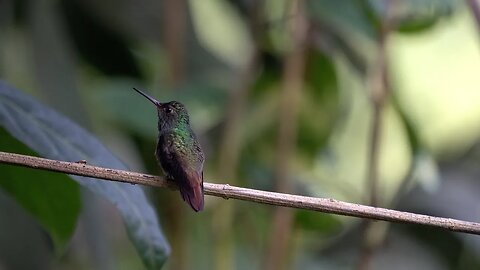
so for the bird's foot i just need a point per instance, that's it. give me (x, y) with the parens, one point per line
(170, 182)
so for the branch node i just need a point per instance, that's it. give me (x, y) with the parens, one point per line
(225, 188)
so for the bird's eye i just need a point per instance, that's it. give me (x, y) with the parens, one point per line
(168, 110)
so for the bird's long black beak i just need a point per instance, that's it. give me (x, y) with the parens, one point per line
(154, 101)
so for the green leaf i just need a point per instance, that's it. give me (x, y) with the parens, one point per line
(52, 198)
(416, 15)
(221, 30)
(54, 136)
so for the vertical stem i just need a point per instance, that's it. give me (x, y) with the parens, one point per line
(6, 21)
(175, 14)
(475, 8)
(230, 145)
(177, 221)
(379, 95)
(378, 98)
(93, 221)
(174, 27)
(54, 61)
(293, 74)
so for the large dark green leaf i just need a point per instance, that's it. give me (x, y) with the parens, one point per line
(52, 198)
(54, 136)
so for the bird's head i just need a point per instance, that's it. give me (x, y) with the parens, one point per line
(170, 114)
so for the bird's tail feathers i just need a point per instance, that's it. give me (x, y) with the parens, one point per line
(193, 194)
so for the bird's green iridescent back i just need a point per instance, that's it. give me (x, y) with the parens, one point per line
(182, 159)
(187, 146)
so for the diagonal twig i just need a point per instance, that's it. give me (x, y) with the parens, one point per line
(226, 191)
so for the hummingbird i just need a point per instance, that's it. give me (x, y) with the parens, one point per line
(178, 151)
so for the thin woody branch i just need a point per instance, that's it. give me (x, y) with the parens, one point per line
(226, 191)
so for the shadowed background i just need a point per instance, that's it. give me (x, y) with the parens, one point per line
(284, 95)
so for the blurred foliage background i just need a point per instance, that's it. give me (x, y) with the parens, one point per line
(283, 95)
